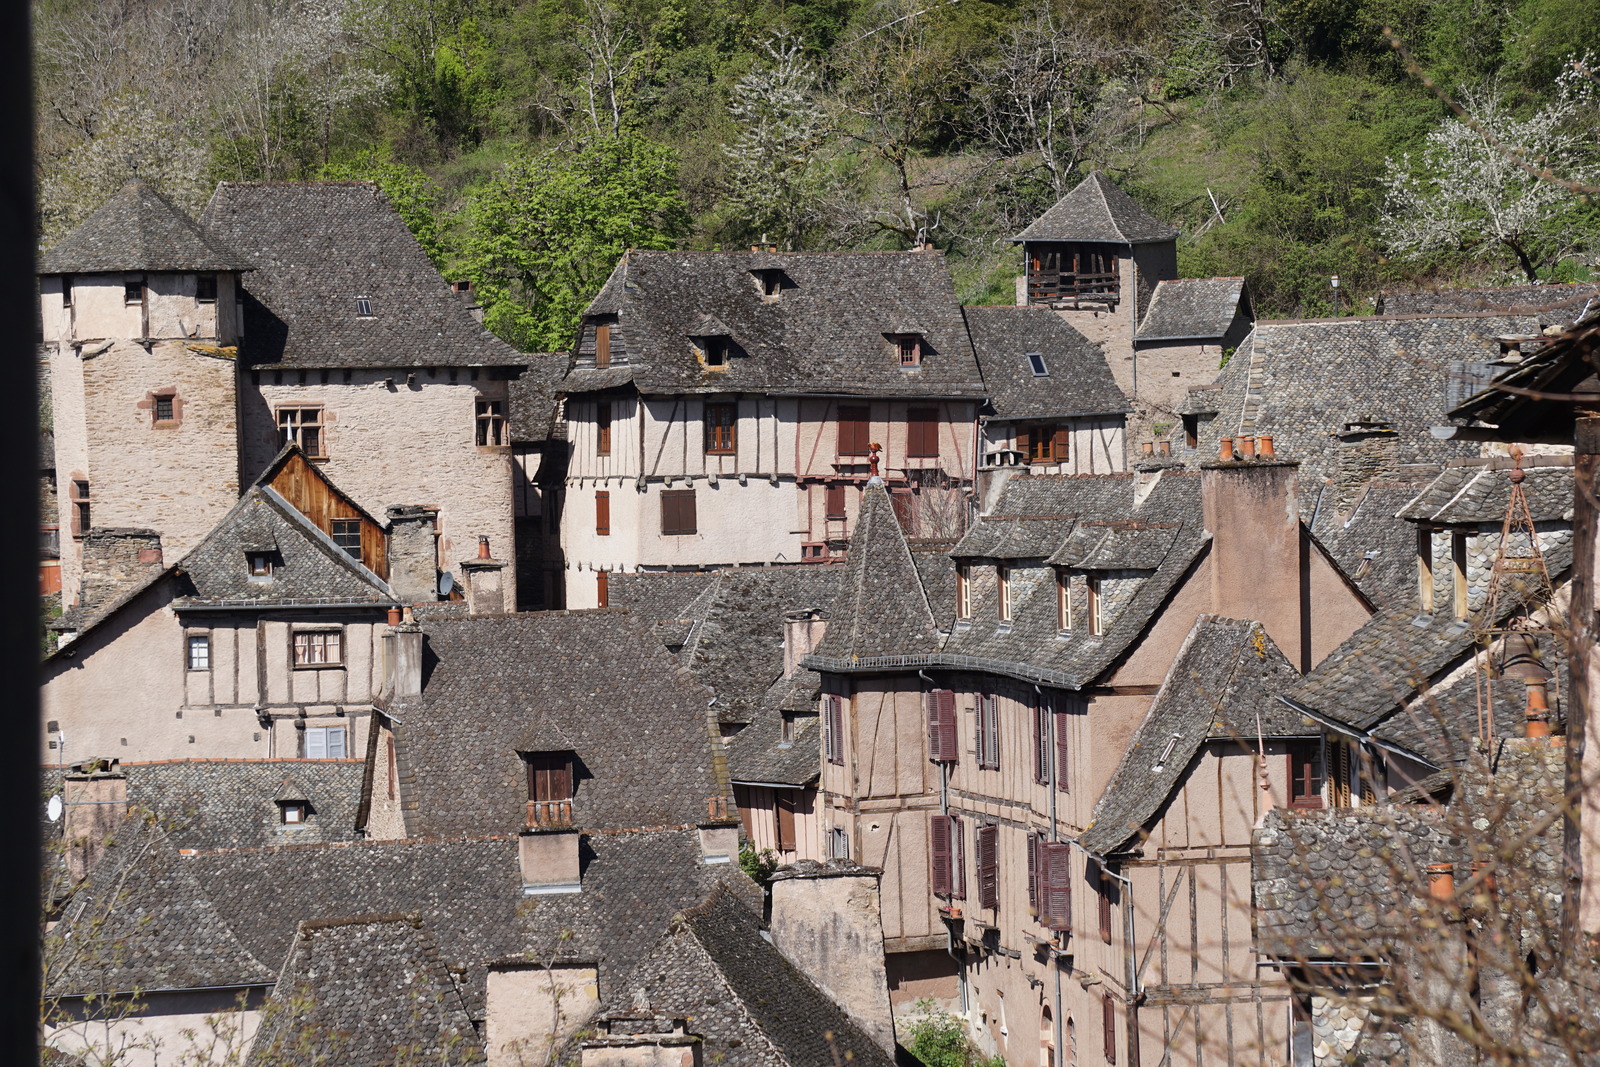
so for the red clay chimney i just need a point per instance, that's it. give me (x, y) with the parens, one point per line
(1441, 881)
(1266, 446)
(1538, 713)
(1247, 448)
(483, 547)
(1225, 452)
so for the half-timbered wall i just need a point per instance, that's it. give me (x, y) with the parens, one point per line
(1095, 445)
(772, 814)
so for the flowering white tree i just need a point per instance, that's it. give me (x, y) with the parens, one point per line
(1483, 179)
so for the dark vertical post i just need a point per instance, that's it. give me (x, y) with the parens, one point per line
(1583, 805)
(19, 565)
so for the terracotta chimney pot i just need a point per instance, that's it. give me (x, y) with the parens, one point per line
(1247, 448)
(1265, 441)
(483, 547)
(1146, 447)
(394, 616)
(1441, 881)
(1225, 452)
(1166, 448)
(1538, 713)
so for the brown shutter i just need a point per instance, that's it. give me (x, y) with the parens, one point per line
(922, 433)
(1033, 870)
(1102, 884)
(988, 866)
(835, 729)
(783, 804)
(1108, 1020)
(1041, 742)
(958, 858)
(854, 431)
(949, 739)
(939, 849)
(939, 744)
(602, 513)
(687, 514)
(1056, 900)
(833, 501)
(602, 345)
(1063, 752)
(600, 580)
(602, 428)
(991, 720)
(1059, 447)
(900, 501)
(979, 747)
(1025, 441)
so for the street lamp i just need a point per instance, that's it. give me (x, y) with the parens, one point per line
(1333, 283)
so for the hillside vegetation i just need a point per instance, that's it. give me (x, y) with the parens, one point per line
(528, 142)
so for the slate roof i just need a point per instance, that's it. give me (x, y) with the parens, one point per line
(363, 991)
(1191, 309)
(317, 247)
(227, 917)
(138, 229)
(826, 334)
(308, 566)
(1096, 210)
(596, 683)
(673, 602)
(1375, 550)
(1079, 381)
(1221, 686)
(938, 575)
(881, 608)
(1551, 303)
(759, 754)
(230, 803)
(754, 1007)
(1304, 383)
(1564, 365)
(1481, 494)
(533, 400)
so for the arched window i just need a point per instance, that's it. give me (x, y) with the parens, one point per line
(1047, 1038)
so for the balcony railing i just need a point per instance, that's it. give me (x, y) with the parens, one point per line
(549, 814)
(1045, 286)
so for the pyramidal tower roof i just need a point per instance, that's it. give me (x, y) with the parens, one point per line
(139, 229)
(1096, 210)
(882, 608)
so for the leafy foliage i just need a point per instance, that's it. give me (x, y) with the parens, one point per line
(939, 1039)
(757, 863)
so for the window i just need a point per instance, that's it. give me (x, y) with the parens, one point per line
(833, 502)
(1035, 844)
(133, 290)
(909, 347)
(325, 742)
(163, 408)
(677, 512)
(602, 513)
(1036, 362)
(347, 535)
(944, 744)
(549, 775)
(394, 770)
(1055, 885)
(79, 493)
(786, 729)
(770, 282)
(989, 866)
(1339, 780)
(1108, 1024)
(602, 585)
(1063, 752)
(1191, 431)
(260, 564)
(833, 729)
(941, 850)
(318, 648)
(988, 732)
(293, 811)
(958, 858)
(303, 427)
(922, 433)
(1458, 571)
(963, 590)
(199, 652)
(602, 344)
(602, 428)
(712, 351)
(721, 421)
(66, 290)
(205, 288)
(1063, 601)
(1002, 581)
(1305, 774)
(364, 307)
(1044, 444)
(838, 843)
(855, 431)
(1092, 590)
(1102, 888)
(491, 420)
(1041, 742)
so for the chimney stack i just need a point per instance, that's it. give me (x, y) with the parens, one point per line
(634, 1042)
(414, 553)
(1258, 550)
(827, 921)
(802, 632)
(482, 577)
(115, 560)
(94, 797)
(549, 855)
(403, 653)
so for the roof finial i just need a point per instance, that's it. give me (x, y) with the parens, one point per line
(872, 458)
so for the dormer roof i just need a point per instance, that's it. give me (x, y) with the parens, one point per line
(139, 230)
(1096, 210)
(1193, 309)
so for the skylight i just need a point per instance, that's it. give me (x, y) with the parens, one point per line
(364, 306)
(1036, 360)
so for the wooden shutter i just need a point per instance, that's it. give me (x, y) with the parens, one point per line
(602, 428)
(922, 433)
(602, 513)
(958, 858)
(602, 345)
(854, 431)
(783, 804)
(1102, 885)
(1055, 898)
(549, 775)
(943, 744)
(1305, 775)
(1341, 773)
(990, 731)
(939, 849)
(602, 587)
(988, 866)
(1108, 1021)
(833, 501)
(833, 729)
(678, 514)
(1059, 447)
(1033, 870)
(1041, 742)
(1025, 441)
(1063, 752)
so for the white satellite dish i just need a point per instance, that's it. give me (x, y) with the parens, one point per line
(447, 582)
(53, 809)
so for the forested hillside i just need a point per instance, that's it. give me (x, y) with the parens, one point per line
(527, 142)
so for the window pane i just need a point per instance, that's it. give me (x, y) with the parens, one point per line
(200, 653)
(335, 742)
(347, 535)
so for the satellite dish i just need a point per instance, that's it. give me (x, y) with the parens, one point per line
(53, 809)
(447, 582)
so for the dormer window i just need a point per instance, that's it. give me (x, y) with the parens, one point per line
(293, 811)
(1036, 362)
(602, 344)
(909, 348)
(205, 288)
(364, 307)
(260, 565)
(770, 282)
(711, 351)
(550, 787)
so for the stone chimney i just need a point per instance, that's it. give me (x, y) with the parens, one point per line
(402, 651)
(719, 843)
(482, 578)
(632, 1042)
(94, 799)
(116, 560)
(414, 553)
(1259, 550)
(827, 921)
(802, 632)
(550, 860)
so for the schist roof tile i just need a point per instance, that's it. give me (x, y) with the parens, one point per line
(232, 803)
(365, 990)
(318, 248)
(1481, 494)
(1076, 378)
(533, 396)
(138, 229)
(881, 608)
(595, 683)
(1553, 304)
(1191, 309)
(1221, 687)
(758, 754)
(828, 332)
(1096, 210)
(1373, 548)
(753, 1007)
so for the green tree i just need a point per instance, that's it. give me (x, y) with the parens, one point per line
(545, 232)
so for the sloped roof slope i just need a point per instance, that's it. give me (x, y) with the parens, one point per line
(1191, 309)
(361, 991)
(1373, 548)
(229, 803)
(1479, 493)
(1551, 303)
(318, 247)
(596, 683)
(828, 332)
(1222, 686)
(1096, 210)
(881, 607)
(138, 229)
(1077, 381)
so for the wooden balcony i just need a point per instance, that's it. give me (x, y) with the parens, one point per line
(549, 814)
(1050, 287)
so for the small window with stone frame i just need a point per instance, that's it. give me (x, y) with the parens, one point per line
(133, 290)
(205, 288)
(260, 565)
(491, 420)
(303, 426)
(164, 408)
